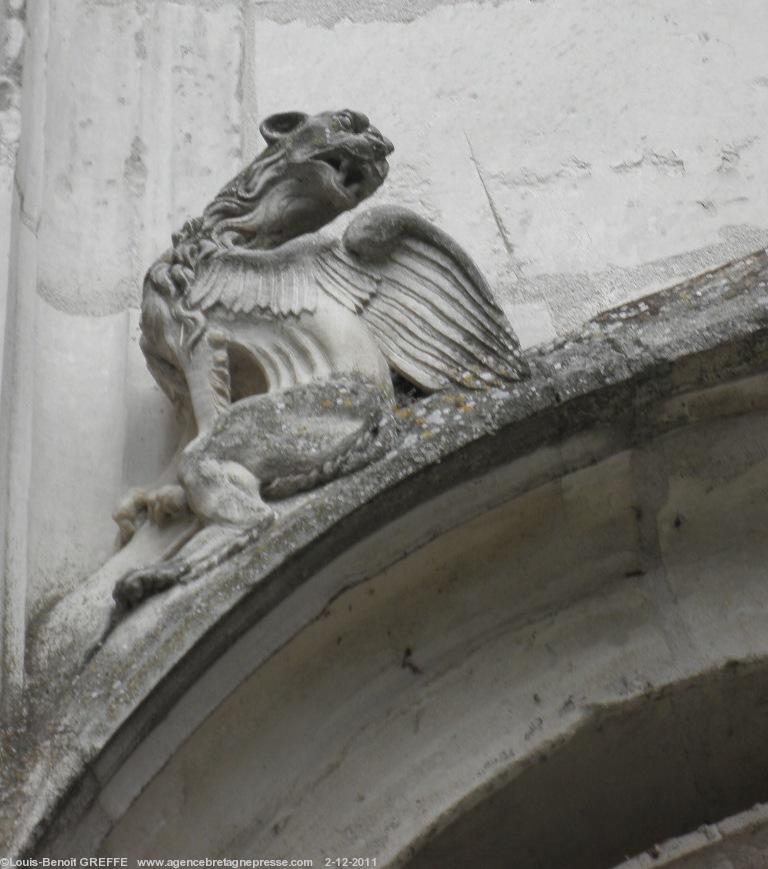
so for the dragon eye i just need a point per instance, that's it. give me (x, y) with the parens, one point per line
(344, 121)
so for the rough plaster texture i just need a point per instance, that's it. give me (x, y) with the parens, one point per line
(535, 571)
(583, 153)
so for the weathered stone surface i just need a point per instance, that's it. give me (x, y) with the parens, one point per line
(568, 188)
(11, 64)
(593, 169)
(588, 154)
(603, 568)
(277, 344)
(116, 155)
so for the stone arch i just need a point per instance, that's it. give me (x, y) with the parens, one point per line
(415, 638)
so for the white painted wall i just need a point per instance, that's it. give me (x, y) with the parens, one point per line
(584, 152)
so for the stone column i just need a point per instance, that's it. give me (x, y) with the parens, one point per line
(19, 204)
(132, 118)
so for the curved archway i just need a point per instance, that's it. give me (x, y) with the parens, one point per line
(553, 682)
(414, 640)
(652, 769)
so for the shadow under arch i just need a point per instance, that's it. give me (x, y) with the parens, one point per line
(631, 776)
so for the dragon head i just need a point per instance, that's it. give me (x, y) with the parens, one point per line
(314, 168)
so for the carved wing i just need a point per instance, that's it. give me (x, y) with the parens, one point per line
(279, 282)
(423, 299)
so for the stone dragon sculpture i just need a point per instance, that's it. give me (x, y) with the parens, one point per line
(277, 344)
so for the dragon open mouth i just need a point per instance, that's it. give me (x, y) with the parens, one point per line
(349, 172)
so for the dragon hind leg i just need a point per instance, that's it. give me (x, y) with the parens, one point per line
(205, 551)
(274, 444)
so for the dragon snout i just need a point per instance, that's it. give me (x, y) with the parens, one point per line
(381, 145)
(362, 124)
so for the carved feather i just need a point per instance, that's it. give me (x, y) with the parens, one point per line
(427, 305)
(422, 298)
(247, 281)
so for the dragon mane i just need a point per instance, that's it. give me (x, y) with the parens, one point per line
(173, 273)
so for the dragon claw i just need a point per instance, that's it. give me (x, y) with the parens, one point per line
(139, 584)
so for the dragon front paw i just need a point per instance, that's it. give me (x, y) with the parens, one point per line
(161, 506)
(166, 504)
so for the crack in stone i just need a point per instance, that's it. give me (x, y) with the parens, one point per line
(32, 225)
(494, 211)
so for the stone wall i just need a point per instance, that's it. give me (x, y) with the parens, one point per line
(584, 154)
